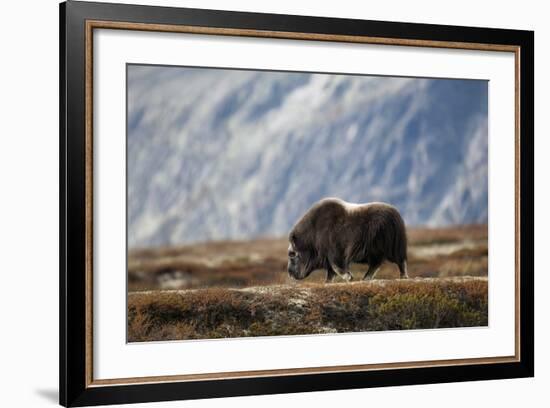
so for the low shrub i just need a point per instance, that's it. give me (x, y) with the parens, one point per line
(307, 309)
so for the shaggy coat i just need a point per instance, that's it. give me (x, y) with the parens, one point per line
(333, 234)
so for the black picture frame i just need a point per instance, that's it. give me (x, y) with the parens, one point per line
(75, 388)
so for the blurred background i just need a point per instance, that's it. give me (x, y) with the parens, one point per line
(222, 163)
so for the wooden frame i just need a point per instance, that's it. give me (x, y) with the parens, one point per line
(77, 22)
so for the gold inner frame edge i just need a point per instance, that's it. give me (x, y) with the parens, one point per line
(93, 24)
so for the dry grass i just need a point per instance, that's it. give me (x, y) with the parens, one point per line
(307, 309)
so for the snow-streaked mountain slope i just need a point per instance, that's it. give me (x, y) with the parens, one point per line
(235, 154)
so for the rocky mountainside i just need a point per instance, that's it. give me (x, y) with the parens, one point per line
(232, 154)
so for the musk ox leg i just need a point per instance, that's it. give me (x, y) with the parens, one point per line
(344, 273)
(403, 270)
(330, 275)
(373, 268)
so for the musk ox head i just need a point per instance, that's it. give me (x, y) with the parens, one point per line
(293, 267)
(302, 258)
(308, 239)
(299, 266)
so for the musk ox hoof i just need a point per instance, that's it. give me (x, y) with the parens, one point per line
(348, 277)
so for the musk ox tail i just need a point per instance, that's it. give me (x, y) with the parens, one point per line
(400, 241)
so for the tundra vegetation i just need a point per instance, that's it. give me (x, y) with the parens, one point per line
(241, 288)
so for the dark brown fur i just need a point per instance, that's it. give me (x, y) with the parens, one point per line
(333, 234)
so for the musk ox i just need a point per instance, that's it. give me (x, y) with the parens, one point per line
(332, 234)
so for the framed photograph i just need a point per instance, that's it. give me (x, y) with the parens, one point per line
(256, 203)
